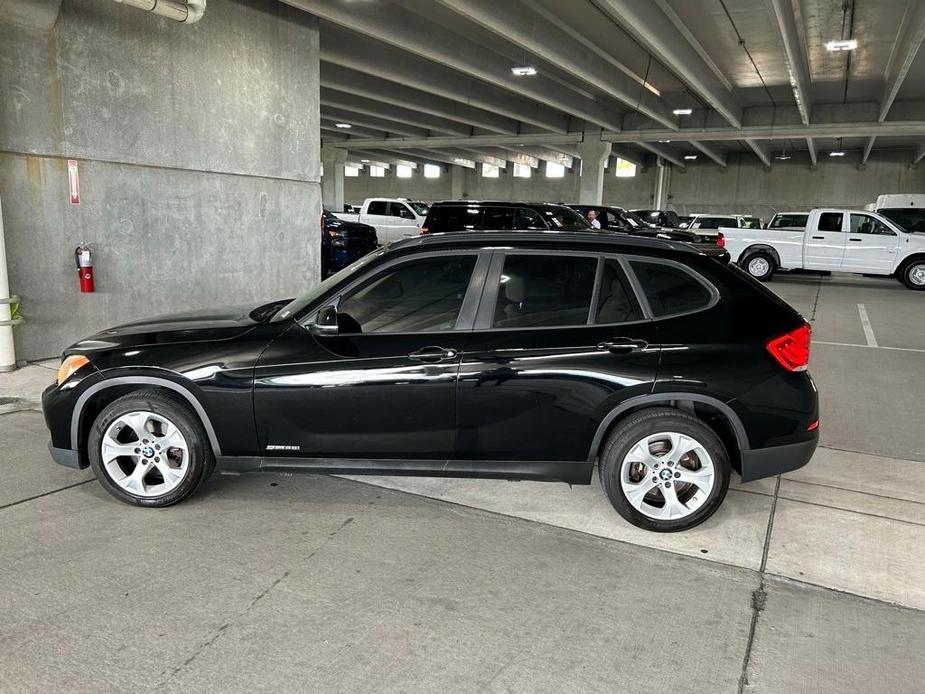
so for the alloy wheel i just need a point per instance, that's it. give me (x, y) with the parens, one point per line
(667, 476)
(917, 275)
(145, 453)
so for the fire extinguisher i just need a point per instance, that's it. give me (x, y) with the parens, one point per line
(84, 268)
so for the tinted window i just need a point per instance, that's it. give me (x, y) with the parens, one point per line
(418, 296)
(451, 218)
(670, 289)
(526, 218)
(616, 302)
(400, 209)
(715, 222)
(544, 291)
(909, 218)
(565, 218)
(497, 218)
(830, 221)
(378, 207)
(865, 224)
(789, 220)
(617, 222)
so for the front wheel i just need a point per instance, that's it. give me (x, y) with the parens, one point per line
(148, 449)
(664, 470)
(913, 275)
(760, 266)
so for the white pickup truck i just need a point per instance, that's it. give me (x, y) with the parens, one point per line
(839, 240)
(394, 218)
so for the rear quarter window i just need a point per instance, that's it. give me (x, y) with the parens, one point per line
(670, 289)
(452, 218)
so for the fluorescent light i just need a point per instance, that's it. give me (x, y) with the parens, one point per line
(524, 71)
(782, 157)
(664, 142)
(844, 45)
(343, 125)
(683, 111)
(364, 161)
(460, 160)
(690, 157)
(651, 89)
(836, 154)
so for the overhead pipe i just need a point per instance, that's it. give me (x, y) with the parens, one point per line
(188, 12)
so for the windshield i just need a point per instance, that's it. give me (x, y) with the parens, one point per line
(294, 307)
(565, 218)
(420, 208)
(635, 219)
(908, 218)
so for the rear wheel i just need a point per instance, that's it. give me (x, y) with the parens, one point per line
(760, 265)
(664, 470)
(913, 274)
(149, 449)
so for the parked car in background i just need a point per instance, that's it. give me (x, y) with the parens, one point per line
(499, 354)
(394, 218)
(343, 242)
(789, 220)
(715, 221)
(906, 210)
(661, 218)
(684, 221)
(474, 215)
(834, 239)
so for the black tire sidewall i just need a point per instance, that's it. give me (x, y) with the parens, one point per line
(201, 460)
(647, 422)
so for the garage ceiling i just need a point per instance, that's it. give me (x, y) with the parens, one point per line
(434, 77)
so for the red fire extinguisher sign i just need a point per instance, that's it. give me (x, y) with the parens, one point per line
(73, 181)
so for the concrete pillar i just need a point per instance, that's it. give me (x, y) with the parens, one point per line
(594, 154)
(7, 354)
(457, 182)
(662, 184)
(332, 183)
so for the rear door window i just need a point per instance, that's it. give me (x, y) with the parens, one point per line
(525, 218)
(497, 219)
(378, 207)
(616, 301)
(542, 291)
(830, 221)
(670, 289)
(452, 218)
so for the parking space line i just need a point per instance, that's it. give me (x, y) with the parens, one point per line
(851, 344)
(868, 330)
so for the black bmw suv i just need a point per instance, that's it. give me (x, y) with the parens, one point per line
(493, 354)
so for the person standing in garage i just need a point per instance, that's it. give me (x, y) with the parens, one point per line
(592, 217)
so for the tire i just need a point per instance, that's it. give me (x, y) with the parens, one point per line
(638, 490)
(759, 265)
(149, 449)
(912, 274)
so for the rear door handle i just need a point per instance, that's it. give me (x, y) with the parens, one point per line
(819, 238)
(433, 354)
(622, 345)
(857, 240)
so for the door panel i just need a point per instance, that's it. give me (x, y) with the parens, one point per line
(825, 245)
(871, 246)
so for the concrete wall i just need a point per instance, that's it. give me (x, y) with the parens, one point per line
(198, 149)
(744, 186)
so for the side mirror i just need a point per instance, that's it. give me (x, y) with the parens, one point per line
(325, 323)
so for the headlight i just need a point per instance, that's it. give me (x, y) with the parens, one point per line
(69, 366)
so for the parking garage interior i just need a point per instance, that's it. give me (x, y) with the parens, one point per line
(193, 146)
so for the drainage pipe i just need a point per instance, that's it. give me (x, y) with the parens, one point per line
(188, 12)
(7, 353)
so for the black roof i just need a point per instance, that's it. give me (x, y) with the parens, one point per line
(505, 203)
(577, 240)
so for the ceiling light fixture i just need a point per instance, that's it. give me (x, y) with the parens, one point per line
(837, 154)
(364, 161)
(651, 88)
(683, 111)
(783, 156)
(690, 157)
(665, 142)
(842, 45)
(344, 126)
(524, 71)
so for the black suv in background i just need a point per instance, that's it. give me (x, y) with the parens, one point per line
(660, 218)
(484, 354)
(477, 215)
(343, 242)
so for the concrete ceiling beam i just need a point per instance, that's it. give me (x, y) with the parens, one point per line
(412, 32)
(645, 20)
(794, 54)
(347, 80)
(761, 151)
(396, 128)
(664, 153)
(545, 39)
(359, 104)
(811, 146)
(544, 154)
(711, 152)
(905, 49)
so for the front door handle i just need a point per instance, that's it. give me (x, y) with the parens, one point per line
(433, 354)
(857, 240)
(819, 238)
(622, 345)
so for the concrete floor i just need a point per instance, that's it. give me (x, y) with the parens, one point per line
(272, 583)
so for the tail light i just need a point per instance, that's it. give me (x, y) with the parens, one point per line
(423, 230)
(792, 350)
(721, 239)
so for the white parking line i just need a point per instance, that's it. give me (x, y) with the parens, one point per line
(851, 344)
(865, 323)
